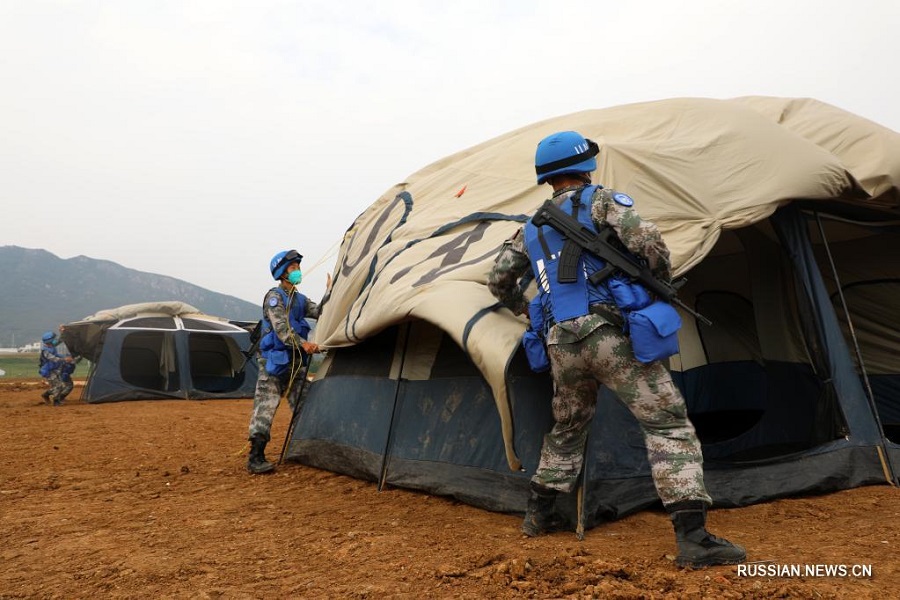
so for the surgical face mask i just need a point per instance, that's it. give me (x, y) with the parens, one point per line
(295, 277)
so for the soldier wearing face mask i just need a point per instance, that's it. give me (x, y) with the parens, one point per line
(284, 350)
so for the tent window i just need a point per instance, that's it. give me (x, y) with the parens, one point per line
(215, 362)
(371, 358)
(733, 337)
(451, 361)
(756, 396)
(204, 325)
(149, 323)
(148, 361)
(875, 312)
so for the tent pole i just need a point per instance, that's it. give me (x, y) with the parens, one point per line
(883, 454)
(298, 406)
(87, 382)
(390, 438)
(582, 484)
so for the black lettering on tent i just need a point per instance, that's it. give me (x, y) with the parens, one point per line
(451, 252)
(347, 266)
(479, 216)
(440, 271)
(455, 249)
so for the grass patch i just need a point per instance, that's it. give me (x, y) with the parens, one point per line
(25, 365)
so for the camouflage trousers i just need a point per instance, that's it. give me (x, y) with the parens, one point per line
(59, 387)
(269, 390)
(605, 357)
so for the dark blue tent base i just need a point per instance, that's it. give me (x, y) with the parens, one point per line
(437, 443)
(606, 499)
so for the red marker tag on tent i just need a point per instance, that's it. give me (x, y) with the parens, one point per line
(461, 191)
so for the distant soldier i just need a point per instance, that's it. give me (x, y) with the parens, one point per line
(51, 368)
(67, 369)
(284, 350)
(586, 347)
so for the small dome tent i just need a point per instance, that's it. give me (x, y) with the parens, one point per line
(783, 215)
(158, 350)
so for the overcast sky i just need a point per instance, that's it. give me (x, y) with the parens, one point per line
(197, 139)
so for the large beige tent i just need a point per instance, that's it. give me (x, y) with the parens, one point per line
(710, 173)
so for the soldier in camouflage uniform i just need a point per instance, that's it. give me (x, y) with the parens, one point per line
(67, 369)
(52, 367)
(284, 351)
(591, 349)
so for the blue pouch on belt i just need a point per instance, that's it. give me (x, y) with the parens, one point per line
(628, 295)
(533, 339)
(654, 331)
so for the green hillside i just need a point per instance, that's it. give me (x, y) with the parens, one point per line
(40, 291)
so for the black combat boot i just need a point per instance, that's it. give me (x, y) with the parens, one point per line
(696, 546)
(256, 462)
(539, 517)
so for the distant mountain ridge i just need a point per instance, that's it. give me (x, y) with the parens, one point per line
(39, 291)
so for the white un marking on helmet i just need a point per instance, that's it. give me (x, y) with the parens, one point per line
(580, 148)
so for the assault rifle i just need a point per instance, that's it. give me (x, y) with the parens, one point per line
(578, 238)
(255, 335)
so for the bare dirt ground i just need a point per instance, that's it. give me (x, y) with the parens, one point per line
(150, 499)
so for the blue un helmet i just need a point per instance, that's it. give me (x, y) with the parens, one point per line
(280, 262)
(564, 152)
(48, 337)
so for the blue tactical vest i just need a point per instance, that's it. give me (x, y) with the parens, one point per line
(278, 355)
(652, 326)
(48, 366)
(544, 244)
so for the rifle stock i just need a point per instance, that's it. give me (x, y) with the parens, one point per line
(578, 238)
(255, 336)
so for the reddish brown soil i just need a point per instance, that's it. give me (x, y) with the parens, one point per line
(150, 499)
